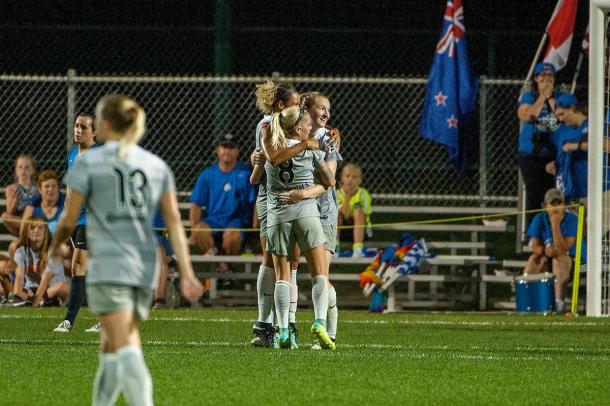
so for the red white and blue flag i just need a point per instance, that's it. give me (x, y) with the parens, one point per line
(561, 31)
(451, 91)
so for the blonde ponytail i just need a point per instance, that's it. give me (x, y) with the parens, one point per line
(135, 132)
(125, 117)
(278, 137)
(283, 124)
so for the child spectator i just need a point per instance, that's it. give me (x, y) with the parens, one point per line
(19, 194)
(7, 267)
(31, 259)
(354, 209)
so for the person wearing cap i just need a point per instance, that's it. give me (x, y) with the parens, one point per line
(552, 239)
(539, 126)
(222, 199)
(571, 161)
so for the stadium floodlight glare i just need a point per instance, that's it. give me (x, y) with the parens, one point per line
(598, 216)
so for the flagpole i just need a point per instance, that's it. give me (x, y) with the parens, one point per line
(535, 61)
(542, 43)
(577, 72)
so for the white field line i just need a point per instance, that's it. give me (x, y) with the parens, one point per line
(405, 351)
(515, 323)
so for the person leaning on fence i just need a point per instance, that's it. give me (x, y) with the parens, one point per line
(354, 209)
(538, 126)
(20, 194)
(572, 159)
(553, 237)
(223, 198)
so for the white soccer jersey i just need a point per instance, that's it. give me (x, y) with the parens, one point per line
(327, 201)
(123, 196)
(262, 188)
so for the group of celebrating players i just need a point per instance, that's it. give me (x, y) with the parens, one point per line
(297, 211)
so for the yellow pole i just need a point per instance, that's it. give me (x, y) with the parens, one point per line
(576, 280)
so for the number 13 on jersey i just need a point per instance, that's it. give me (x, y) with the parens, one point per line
(132, 188)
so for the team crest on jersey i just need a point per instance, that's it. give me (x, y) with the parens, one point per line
(227, 187)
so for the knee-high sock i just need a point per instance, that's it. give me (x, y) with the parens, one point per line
(77, 297)
(282, 302)
(135, 376)
(294, 296)
(265, 284)
(106, 387)
(319, 296)
(333, 312)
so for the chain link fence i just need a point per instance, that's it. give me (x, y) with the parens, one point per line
(378, 118)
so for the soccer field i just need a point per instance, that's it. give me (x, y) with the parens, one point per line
(200, 357)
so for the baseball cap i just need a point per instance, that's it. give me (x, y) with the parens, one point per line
(544, 67)
(566, 100)
(552, 195)
(228, 141)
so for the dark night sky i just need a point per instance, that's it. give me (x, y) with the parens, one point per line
(481, 15)
(358, 37)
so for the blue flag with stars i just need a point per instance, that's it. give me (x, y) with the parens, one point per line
(451, 91)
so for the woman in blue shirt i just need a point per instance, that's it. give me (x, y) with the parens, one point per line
(539, 126)
(571, 156)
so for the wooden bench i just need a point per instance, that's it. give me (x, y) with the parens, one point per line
(478, 263)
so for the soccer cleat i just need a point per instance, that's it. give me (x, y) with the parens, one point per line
(292, 328)
(159, 304)
(264, 335)
(95, 328)
(16, 301)
(316, 344)
(64, 327)
(284, 339)
(319, 330)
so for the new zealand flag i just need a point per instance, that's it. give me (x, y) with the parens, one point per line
(452, 87)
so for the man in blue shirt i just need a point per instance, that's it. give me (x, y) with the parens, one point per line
(553, 237)
(223, 199)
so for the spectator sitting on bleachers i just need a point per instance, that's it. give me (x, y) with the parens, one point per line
(19, 194)
(553, 237)
(223, 198)
(7, 267)
(50, 203)
(354, 209)
(47, 206)
(31, 260)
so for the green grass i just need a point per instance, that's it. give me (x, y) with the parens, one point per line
(200, 357)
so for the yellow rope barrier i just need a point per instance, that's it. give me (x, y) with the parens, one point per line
(378, 225)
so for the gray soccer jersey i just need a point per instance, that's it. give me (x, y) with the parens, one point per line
(327, 201)
(123, 195)
(296, 173)
(261, 198)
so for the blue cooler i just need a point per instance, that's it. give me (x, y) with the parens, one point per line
(535, 293)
